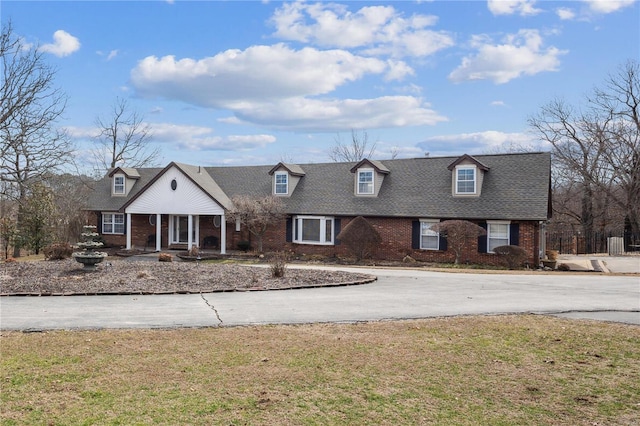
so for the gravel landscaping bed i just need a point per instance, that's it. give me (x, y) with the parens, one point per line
(66, 277)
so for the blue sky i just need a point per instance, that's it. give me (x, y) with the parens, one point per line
(247, 82)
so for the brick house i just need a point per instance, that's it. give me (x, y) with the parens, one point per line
(180, 206)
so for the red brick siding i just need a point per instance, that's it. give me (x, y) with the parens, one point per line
(395, 233)
(397, 243)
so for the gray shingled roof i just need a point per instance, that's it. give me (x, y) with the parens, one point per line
(516, 187)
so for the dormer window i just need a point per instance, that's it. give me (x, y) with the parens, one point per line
(281, 183)
(123, 179)
(368, 177)
(467, 175)
(285, 178)
(466, 179)
(365, 181)
(118, 185)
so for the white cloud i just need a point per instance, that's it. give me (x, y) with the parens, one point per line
(565, 13)
(231, 79)
(284, 93)
(519, 54)
(498, 103)
(79, 133)
(490, 141)
(510, 7)
(199, 138)
(593, 8)
(314, 115)
(112, 54)
(608, 6)
(250, 141)
(186, 137)
(398, 70)
(64, 44)
(379, 30)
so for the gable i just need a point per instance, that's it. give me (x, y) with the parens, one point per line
(293, 174)
(161, 197)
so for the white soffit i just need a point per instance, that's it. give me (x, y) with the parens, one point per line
(186, 198)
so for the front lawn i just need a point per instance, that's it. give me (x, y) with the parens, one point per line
(500, 370)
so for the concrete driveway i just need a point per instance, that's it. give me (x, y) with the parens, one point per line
(397, 294)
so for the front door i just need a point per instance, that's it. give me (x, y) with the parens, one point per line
(179, 229)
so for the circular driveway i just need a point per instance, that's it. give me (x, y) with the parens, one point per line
(397, 294)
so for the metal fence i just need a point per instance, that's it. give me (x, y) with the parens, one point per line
(569, 242)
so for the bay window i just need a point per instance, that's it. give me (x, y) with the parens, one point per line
(313, 230)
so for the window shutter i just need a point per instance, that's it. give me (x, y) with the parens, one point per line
(289, 230)
(415, 234)
(482, 239)
(336, 226)
(514, 234)
(99, 228)
(442, 243)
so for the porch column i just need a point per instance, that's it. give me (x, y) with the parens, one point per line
(190, 232)
(196, 224)
(158, 232)
(128, 231)
(223, 235)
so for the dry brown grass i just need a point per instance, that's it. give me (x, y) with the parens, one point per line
(501, 370)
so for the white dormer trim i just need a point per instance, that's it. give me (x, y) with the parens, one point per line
(466, 179)
(373, 168)
(281, 183)
(365, 184)
(293, 173)
(467, 175)
(119, 187)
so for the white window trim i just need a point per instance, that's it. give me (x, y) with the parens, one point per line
(497, 222)
(275, 184)
(373, 181)
(124, 185)
(113, 223)
(296, 229)
(431, 222)
(475, 179)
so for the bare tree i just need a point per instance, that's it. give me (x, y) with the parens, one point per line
(37, 229)
(576, 151)
(354, 151)
(256, 214)
(459, 234)
(619, 101)
(71, 194)
(124, 139)
(598, 147)
(31, 144)
(8, 234)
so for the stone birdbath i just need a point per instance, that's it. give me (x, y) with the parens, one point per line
(88, 256)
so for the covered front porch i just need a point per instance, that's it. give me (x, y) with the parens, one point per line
(182, 207)
(176, 231)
